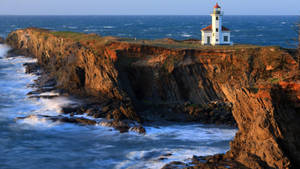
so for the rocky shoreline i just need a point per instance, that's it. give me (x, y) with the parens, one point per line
(73, 113)
(135, 82)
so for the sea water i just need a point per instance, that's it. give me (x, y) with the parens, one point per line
(258, 30)
(36, 142)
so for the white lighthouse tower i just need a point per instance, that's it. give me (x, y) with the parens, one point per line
(216, 33)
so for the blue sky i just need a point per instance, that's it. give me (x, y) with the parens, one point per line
(147, 7)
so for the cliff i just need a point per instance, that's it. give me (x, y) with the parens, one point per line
(259, 86)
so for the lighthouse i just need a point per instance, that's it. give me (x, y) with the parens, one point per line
(216, 33)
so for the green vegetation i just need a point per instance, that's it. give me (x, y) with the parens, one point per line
(76, 35)
(185, 44)
(274, 80)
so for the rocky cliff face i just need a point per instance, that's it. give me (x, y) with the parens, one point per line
(258, 85)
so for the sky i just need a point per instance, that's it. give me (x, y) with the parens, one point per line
(147, 7)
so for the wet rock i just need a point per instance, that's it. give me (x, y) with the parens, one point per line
(2, 40)
(68, 110)
(105, 109)
(138, 129)
(175, 165)
(123, 127)
(31, 67)
(81, 120)
(42, 96)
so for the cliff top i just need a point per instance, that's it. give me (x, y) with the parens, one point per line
(97, 40)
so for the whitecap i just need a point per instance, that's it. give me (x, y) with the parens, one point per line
(72, 27)
(54, 106)
(38, 122)
(187, 132)
(108, 27)
(157, 158)
(186, 35)
(3, 50)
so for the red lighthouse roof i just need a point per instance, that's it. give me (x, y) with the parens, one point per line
(217, 5)
(209, 28)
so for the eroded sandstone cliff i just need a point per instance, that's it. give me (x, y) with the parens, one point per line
(258, 85)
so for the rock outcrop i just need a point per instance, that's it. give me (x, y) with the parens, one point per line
(259, 86)
(2, 40)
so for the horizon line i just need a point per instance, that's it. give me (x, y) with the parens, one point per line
(144, 15)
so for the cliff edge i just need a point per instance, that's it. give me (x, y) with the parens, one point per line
(178, 80)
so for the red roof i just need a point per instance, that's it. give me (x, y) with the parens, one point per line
(209, 28)
(217, 5)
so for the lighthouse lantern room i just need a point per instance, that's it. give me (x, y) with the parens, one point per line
(216, 33)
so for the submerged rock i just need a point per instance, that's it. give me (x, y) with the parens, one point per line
(2, 40)
(63, 119)
(31, 67)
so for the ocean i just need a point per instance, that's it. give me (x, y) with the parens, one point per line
(38, 143)
(257, 30)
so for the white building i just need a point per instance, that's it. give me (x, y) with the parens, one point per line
(216, 33)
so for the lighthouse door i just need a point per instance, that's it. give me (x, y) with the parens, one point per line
(208, 40)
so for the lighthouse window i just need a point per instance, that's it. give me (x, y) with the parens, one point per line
(226, 38)
(217, 18)
(217, 29)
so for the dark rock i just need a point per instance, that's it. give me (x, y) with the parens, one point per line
(2, 40)
(138, 129)
(82, 121)
(31, 67)
(68, 110)
(175, 165)
(121, 126)
(105, 109)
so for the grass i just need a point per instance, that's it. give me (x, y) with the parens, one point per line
(164, 43)
(274, 80)
(92, 41)
(76, 35)
(185, 44)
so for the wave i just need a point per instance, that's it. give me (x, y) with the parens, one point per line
(3, 50)
(157, 158)
(108, 27)
(37, 122)
(184, 132)
(186, 35)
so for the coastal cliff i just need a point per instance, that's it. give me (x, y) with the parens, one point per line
(182, 81)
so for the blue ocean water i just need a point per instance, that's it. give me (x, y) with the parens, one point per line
(36, 143)
(258, 30)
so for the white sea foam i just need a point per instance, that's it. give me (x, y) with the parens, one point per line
(72, 27)
(157, 158)
(187, 132)
(3, 50)
(186, 35)
(52, 93)
(38, 122)
(108, 27)
(54, 106)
